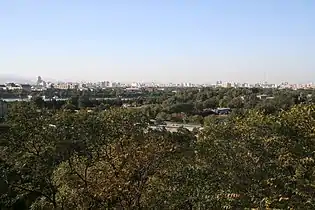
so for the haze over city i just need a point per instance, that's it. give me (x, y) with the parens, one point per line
(162, 41)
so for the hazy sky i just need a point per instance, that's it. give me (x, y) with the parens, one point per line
(159, 40)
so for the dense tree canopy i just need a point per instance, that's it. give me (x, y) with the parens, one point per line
(61, 159)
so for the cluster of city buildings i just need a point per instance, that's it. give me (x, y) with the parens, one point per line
(41, 85)
(284, 85)
(15, 86)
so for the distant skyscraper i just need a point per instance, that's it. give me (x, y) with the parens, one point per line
(40, 84)
(39, 80)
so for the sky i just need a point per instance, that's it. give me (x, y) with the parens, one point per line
(198, 41)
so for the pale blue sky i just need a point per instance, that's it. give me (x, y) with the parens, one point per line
(159, 40)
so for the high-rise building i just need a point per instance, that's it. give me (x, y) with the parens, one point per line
(39, 80)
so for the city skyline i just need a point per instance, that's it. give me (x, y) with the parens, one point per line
(223, 83)
(176, 41)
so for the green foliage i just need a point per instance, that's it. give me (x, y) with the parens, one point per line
(267, 161)
(39, 102)
(112, 160)
(182, 107)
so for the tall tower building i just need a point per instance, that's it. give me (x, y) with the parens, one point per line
(39, 80)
